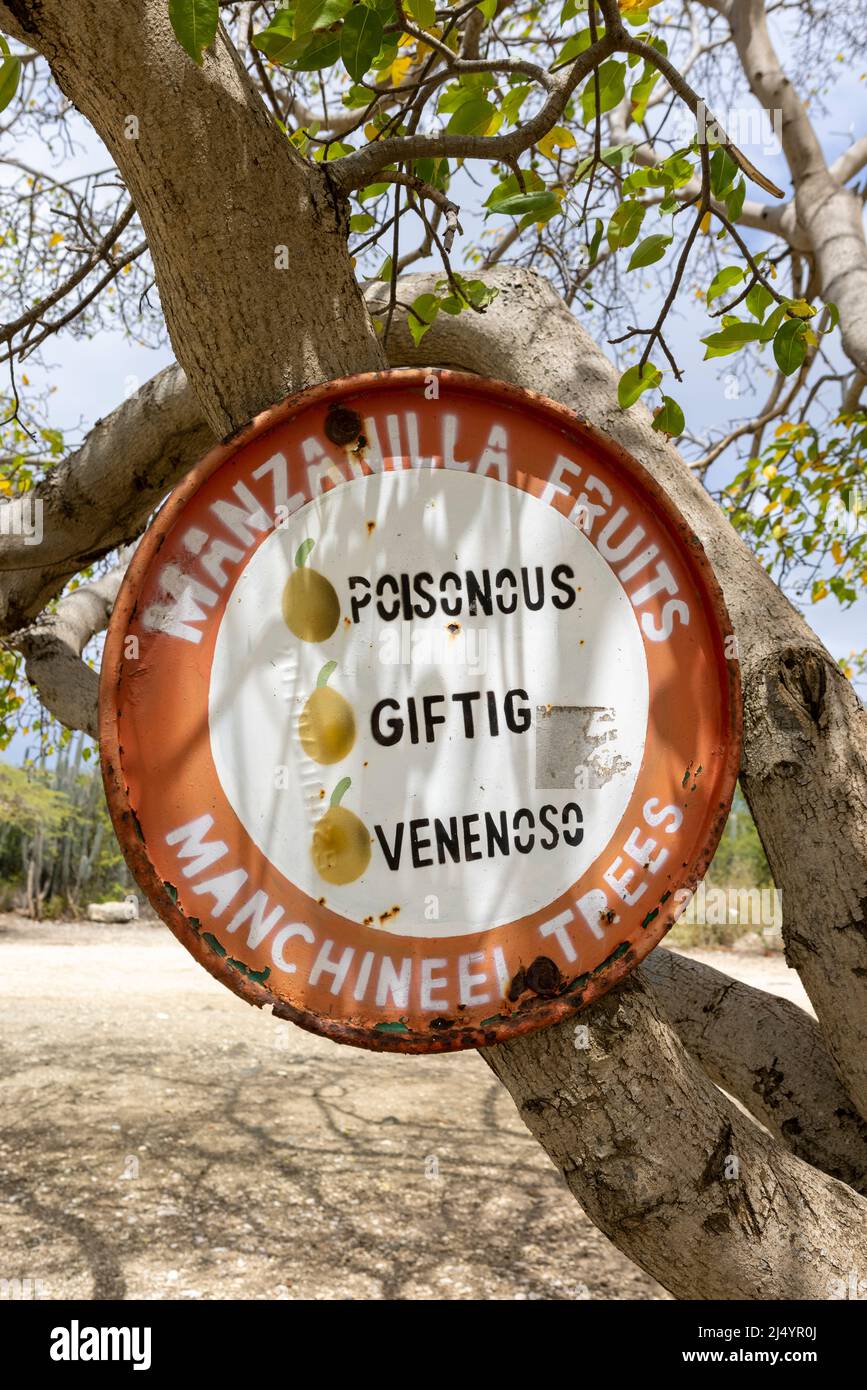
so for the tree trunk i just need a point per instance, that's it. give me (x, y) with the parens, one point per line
(668, 1168)
(804, 769)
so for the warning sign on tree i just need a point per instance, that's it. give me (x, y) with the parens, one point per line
(419, 712)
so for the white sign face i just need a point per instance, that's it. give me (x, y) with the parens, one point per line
(484, 691)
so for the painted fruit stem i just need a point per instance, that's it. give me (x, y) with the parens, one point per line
(325, 674)
(340, 790)
(302, 554)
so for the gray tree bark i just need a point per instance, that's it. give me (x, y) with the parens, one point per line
(804, 768)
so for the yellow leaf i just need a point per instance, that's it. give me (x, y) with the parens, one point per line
(800, 309)
(705, 224)
(494, 123)
(770, 471)
(837, 552)
(371, 130)
(26, 379)
(56, 239)
(398, 70)
(820, 591)
(558, 138)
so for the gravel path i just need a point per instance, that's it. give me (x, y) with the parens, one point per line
(160, 1139)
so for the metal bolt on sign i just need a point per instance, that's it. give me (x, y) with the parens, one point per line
(428, 728)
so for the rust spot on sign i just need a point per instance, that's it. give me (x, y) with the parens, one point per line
(342, 426)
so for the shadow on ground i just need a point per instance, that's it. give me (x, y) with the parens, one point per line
(161, 1139)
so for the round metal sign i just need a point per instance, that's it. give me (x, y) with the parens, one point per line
(417, 716)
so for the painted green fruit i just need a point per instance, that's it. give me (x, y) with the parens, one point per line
(341, 842)
(326, 726)
(311, 608)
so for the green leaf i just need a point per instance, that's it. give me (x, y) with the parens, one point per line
(521, 203)
(790, 348)
(533, 183)
(360, 40)
(373, 190)
(315, 51)
(772, 323)
(650, 250)
(195, 24)
(277, 41)
(573, 46)
(424, 12)
(306, 53)
(757, 301)
(641, 92)
(318, 14)
(361, 222)
(472, 117)
(476, 291)
(625, 224)
(722, 172)
(595, 240)
(635, 380)
(425, 309)
(10, 71)
(513, 101)
(730, 339)
(735, 200)
(724, 279)
(669, 419)
(612, 89)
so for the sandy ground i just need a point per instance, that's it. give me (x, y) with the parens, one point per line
(161, 1139)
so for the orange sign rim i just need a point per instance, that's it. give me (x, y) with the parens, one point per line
(530, 1015)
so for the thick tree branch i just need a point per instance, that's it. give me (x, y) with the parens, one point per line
(805, 731)
(356, 170)
(52, 647)
(663, 1163)
(830, 215)
(100, 497)
(770, 1055)
(851, 161)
